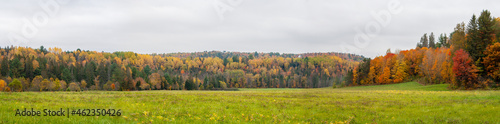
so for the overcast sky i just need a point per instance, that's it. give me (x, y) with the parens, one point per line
(285, 26)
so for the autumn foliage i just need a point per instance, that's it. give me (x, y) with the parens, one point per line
(491, 62)
(469, 59)
(44, 69)
(2, 85)
(433, 65)
(465, 70)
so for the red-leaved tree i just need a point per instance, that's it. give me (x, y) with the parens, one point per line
(465, 70)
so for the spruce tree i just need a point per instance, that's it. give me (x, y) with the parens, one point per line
(432, 43)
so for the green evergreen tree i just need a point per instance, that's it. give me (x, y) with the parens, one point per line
(147, 72)
(443, 41)
(5, 71)
(16, 68)
(486, 37)
(118, 76)
(471, 43)
(66, 75)
(236, 59)
(424, 41)
(432, 42)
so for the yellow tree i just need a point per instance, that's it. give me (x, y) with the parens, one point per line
(385, 77)
(57, 85)
(371, 75)
(36, 83)
(444, 71)
(2, 84)
(491, 60)
(44, 84)
(401, 72)
(354, 76)
(155, 80)
(35, 64)
(83, 84)
(446, 67)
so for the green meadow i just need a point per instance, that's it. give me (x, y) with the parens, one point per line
(397, 103)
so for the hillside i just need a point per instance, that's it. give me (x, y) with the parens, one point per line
(53, 69)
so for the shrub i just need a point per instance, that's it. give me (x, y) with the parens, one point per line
(25, 82)
(223, 84)
(16, 85)
(201, 87)
(57, 85)
(2, 85)
(83, 84)
(137, 83)
(74, 87)
(35, 83)
(44, 84)
(7, 89)
(63, 85)
(107, 86)
(144, 86)
(92, 87)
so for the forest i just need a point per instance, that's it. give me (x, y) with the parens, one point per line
(52, 69)
(469, 58)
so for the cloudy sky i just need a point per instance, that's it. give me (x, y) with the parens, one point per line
(365, 27)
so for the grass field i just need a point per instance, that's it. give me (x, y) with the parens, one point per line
(398, 103)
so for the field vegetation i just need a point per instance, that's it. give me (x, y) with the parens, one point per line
(395, 103)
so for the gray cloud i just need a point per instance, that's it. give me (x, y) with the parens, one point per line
(286, 26)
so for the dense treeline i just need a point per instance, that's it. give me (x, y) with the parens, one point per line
(41, 69)
(468, 59)
(248, 55)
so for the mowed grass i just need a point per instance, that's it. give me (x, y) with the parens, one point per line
(397, 103)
